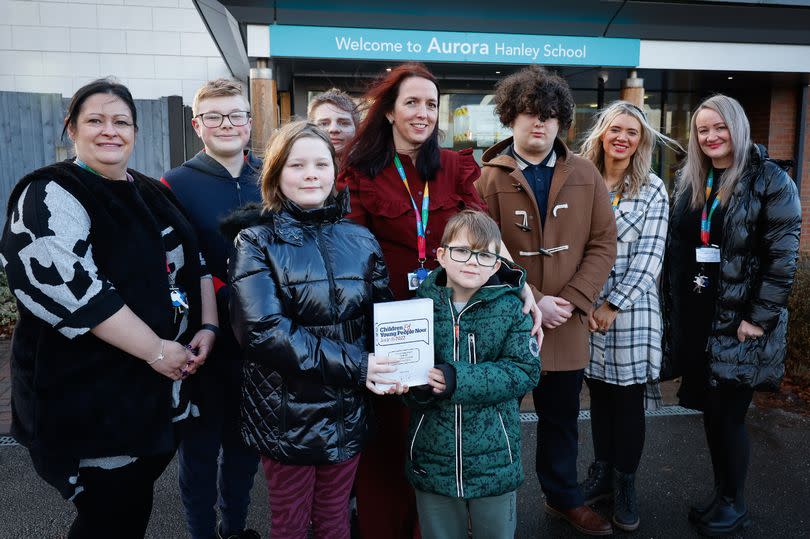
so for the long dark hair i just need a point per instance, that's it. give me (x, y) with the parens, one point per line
(373, 146)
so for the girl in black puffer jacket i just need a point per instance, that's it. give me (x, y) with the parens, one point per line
(731, 254)
(303, 280)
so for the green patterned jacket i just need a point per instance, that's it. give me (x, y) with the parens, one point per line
(468, 445)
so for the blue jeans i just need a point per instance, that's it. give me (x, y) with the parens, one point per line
(216, 468)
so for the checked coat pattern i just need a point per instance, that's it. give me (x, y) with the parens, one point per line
(630, 351)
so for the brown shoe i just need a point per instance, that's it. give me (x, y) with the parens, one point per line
(583, 519)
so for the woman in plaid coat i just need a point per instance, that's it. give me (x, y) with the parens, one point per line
(626, 323)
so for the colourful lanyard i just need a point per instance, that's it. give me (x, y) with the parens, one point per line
(706, 220)
(616, 199)
(86, 167)
(421, 220)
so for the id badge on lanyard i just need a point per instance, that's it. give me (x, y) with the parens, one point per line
(177, 296)
(706, 253)
(417, 276)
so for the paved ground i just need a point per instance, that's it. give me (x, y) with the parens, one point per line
(674, 470)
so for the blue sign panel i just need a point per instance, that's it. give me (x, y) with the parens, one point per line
(427, 46)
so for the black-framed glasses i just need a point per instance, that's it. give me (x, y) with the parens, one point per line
(463, 254)
(238, 118)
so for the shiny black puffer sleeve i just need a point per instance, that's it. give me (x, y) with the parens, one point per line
(781, 225)
(269, 336)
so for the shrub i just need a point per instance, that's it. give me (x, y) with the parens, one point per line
(8, 307)
(797, 364)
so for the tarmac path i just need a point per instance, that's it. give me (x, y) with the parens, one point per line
(674, 470)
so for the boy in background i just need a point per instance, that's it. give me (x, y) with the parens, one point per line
(464, 452)
(216, 468)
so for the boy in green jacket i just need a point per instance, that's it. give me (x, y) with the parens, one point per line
(464, 451)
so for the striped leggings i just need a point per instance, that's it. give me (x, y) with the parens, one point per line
(299, 495)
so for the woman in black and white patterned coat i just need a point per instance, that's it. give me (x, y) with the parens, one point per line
(109, 282)
(626, 323)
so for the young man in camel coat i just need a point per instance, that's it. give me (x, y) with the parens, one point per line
(557, 223)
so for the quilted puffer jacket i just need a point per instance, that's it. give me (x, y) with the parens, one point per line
(468, 445)
(758, 256)
(302, 287)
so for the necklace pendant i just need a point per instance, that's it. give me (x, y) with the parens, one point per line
(700, 281)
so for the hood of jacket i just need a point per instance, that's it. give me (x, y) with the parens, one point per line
(500, 156)
(509, 279)
(334, 209)
(208, 165)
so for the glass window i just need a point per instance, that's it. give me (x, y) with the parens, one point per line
(469, 121)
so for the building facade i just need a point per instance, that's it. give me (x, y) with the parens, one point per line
(157, 48)
(665, 55)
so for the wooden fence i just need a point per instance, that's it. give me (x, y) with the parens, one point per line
(31, 136)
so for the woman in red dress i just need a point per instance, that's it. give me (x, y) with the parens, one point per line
(404, 188)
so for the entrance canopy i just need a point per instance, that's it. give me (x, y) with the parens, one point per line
(724, 21)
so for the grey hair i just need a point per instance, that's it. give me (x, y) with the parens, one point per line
(696, 168)
(638, 173)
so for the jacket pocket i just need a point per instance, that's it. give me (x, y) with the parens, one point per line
(415, 434)
(283, 414)
(506, 437)
(628, 225)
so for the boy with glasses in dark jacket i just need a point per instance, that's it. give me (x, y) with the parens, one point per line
(216, 468)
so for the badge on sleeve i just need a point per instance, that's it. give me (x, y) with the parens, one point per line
(534, 348)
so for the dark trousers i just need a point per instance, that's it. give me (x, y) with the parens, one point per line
(556, 400)
(386, 505)
(617, 423)
(727, 437)
(117, 502)
(216, 468)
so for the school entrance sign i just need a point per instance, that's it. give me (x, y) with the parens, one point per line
(402, 45)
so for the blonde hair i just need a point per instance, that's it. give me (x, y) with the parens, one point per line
(696, 168)
(218, 88)
(481, 230)
(276, 154)
(638, 171)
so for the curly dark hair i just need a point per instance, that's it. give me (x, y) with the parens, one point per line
(534, 90)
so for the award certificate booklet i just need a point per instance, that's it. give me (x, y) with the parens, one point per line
(404, 330)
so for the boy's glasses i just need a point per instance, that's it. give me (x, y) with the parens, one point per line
(463, 254)
(238, 118)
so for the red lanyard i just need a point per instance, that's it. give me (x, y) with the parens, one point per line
(421, 219)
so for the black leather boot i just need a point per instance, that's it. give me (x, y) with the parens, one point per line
(699, 510)
(625, 501)
(599, 483)
(729, 516)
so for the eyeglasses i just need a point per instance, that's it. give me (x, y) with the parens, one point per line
(463, 254)
(238, 118)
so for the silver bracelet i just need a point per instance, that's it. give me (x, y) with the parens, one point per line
(160, 357)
